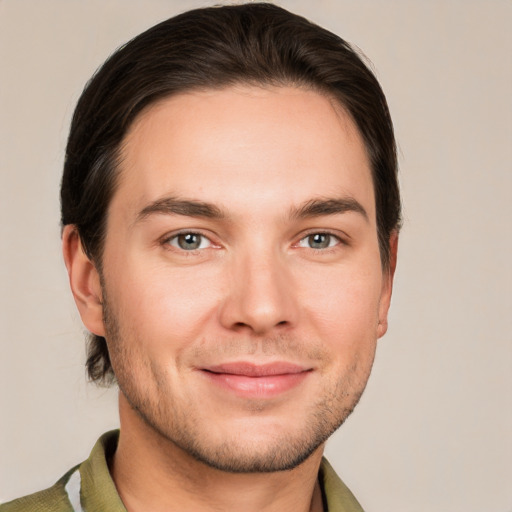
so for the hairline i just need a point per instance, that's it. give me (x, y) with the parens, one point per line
(334, 99)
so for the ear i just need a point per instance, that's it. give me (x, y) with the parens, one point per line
(84, 281)
(387, 285)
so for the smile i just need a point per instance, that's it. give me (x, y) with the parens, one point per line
(257, 381)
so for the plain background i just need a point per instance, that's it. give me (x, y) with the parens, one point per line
(433, 430)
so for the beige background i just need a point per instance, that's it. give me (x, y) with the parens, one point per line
(433, 431)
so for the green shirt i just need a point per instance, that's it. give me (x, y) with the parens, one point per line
(89, 487)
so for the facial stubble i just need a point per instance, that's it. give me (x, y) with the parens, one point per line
(184, 430)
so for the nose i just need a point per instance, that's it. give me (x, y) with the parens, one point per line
(261, 296)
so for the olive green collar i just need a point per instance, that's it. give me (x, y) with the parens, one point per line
(98, 491)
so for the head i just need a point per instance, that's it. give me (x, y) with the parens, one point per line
(191, 70)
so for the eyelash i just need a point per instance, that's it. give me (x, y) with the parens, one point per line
(339, 241)
(167, 241)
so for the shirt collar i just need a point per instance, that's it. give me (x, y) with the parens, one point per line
(99, 491)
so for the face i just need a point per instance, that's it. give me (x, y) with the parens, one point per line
(242, 285)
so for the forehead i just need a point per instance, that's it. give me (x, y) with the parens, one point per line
(280, 144)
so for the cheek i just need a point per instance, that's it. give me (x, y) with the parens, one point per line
(344, 307)
(164, 306)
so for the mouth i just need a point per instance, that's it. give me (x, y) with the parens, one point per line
(250, 380)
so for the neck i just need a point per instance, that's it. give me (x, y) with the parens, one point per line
(152, 473)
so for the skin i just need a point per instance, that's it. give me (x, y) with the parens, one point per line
(268, 281)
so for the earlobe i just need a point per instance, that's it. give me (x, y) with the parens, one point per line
(387, 285)
(84, 281)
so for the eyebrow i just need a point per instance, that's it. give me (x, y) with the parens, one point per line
(185, 207)
(329, 206)
(191, 208)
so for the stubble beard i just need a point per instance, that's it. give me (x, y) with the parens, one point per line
(185, 431)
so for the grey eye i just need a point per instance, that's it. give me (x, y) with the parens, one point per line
(189, 241)
(319, 241)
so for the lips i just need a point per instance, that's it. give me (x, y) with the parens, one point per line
(256, 381)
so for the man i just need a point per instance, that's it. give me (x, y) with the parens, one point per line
(230, 215)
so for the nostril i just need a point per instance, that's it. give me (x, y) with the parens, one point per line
(240, 325)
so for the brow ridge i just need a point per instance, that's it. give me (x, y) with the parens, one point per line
(316, 207)
(185, 207)
(329, 206)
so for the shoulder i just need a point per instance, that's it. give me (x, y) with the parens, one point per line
(86, 486)
(53, 499)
